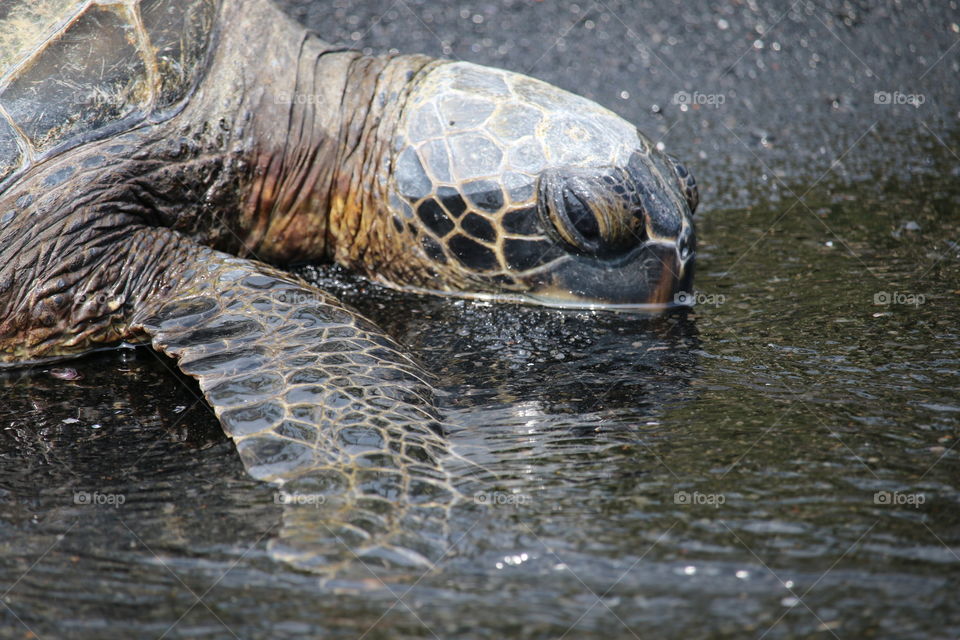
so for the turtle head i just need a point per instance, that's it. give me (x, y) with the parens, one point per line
(510, 187)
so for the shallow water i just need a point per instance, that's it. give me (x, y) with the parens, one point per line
(781, 462)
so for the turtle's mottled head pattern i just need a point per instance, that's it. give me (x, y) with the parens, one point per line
(507, 186)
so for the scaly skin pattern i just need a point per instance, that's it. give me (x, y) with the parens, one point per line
(109, 240)
(315, 397)
(156, 155)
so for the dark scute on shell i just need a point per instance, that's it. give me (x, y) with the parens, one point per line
(521, 222)
(526, 254)
(105, 80)
(473, 254)
(434, 217)
(478, 227)
(452, 201)
(77, 74)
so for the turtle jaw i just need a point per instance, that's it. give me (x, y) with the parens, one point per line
(654, 276)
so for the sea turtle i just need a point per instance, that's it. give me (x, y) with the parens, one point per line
(157, 155)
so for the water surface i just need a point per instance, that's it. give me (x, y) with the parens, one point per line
(780, 462)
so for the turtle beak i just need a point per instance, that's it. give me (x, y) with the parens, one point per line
(676, 279)
(656, 274)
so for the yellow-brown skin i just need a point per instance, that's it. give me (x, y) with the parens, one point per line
(263, 162)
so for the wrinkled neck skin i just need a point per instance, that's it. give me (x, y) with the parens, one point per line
(311, 144)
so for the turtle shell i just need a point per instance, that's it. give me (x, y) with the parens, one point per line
(74, 71)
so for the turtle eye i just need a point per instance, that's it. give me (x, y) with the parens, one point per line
(584, 222)
(567, 214)
(688, 185)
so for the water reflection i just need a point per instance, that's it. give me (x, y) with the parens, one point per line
(783, 461)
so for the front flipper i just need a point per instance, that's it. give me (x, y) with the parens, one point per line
(318, 401)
